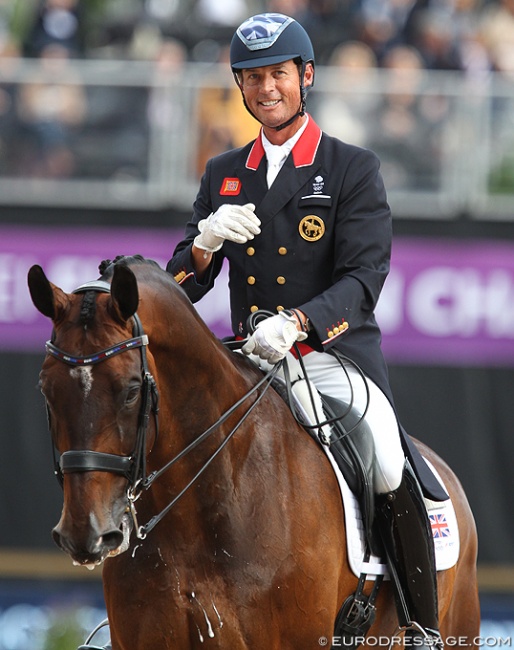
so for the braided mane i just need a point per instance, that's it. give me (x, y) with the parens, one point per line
(106, 269)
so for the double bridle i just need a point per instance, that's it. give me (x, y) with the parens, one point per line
(133, 467)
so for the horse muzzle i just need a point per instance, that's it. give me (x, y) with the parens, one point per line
(92, 546)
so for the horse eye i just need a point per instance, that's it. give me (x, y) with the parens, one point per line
(132, 394)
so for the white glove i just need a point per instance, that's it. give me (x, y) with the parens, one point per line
(237, 223)
(273, 337)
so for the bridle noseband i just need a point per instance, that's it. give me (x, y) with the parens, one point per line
(132, 467)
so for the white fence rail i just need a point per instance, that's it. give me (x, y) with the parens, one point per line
(129, 135)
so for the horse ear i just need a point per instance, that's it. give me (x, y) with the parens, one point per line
(124, 292)
(47, 298)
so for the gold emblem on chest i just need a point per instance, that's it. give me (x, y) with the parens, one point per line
(311, 228)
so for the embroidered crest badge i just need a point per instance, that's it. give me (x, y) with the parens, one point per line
(312, 228)
(318, 185)
(230, 187)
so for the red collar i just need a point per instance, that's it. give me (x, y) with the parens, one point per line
(303, 152)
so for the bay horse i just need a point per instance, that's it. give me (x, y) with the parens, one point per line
(224, 526)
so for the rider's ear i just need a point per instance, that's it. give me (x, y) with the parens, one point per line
(308, 77)
(124, 293)
(50, 300)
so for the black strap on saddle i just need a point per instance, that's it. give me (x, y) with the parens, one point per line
(351, 445)
(357, 614)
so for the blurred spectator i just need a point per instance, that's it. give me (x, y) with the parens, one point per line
(437, 41)
(50, 107)
(223, 121)
(405, 132)
(165, 110)
(328, 22)
(57, 22)
(297, 9)
(228, 13)
(9, 62)
(346, 111)
(497, 31)
(381, 24)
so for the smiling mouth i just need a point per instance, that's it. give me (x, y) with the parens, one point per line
(271, 103)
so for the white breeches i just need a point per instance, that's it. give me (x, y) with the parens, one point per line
(326, 373)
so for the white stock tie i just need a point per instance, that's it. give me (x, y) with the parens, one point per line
(276, 157)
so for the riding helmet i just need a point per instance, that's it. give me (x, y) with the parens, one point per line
(266, 39)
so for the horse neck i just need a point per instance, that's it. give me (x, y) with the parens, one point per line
(190, 407)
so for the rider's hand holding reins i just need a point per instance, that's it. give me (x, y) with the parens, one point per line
(237, 223)
(274, 337)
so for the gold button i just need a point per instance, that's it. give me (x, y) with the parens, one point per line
(250, 279)
(280, 308)
(254, 308)
(250, 251)
(282, 250)
(281, 279)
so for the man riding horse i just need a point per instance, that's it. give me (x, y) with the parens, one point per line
(303, 220)
(257, 207)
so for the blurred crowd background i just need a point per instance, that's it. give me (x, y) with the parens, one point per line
(127, 89)
(466, 35)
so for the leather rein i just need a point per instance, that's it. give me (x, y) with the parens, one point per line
(133, 467)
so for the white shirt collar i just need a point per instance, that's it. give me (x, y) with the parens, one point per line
(288, 144)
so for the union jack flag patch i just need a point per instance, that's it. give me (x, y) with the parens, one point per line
(440, 526)
(230, 187)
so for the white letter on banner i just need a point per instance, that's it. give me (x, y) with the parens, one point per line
(430, 302)
(70, 271)
(499, 304)
(445, 301)
(15, 302)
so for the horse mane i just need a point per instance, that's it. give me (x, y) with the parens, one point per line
(88, 308)
(106, 269)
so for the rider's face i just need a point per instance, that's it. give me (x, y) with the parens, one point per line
(272, 92)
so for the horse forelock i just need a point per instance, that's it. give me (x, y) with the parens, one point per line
(88, 308)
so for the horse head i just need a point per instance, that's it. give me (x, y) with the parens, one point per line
(95, 397)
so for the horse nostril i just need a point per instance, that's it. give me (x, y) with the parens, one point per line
(56, 536)
(112, 540)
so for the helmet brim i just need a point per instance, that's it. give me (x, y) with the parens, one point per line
(249, 64)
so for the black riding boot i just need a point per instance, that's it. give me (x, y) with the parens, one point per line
(407, 537)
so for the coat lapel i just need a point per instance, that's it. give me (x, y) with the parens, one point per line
(295, 173)
(289, 181)
(253, 182)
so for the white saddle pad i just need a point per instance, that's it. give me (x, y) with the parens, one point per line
(445, 531)
(441, 514)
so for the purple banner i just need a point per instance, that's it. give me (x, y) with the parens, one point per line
(443, 303)
(449, 303)
(70, 257)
